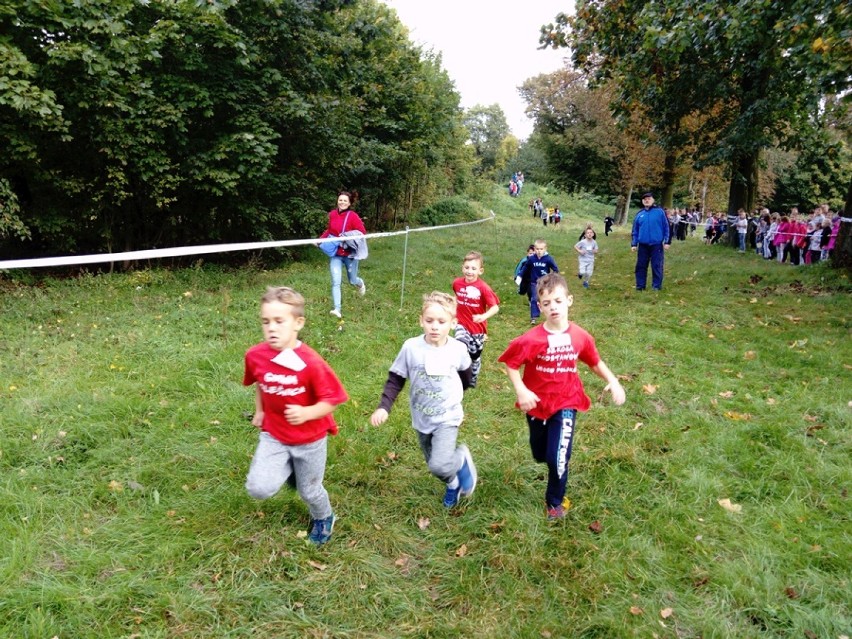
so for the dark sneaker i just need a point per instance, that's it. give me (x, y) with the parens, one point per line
(467, 473)
(585, 285)
(321, 530)
(451, 497)
(555, 512)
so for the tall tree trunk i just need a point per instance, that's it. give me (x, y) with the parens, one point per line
(668, 177)
(841, 256)
(743, 189)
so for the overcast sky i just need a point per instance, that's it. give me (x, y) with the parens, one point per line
(489, 46)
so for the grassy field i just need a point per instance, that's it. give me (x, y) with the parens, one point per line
(714, 503)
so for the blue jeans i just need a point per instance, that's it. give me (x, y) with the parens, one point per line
(652, 253)
(550, 443)
(336, 265)
(742, 241)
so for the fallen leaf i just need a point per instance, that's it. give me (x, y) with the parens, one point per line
(115, 486)
(215, 422)
(665, 613)
(771, 401)
(711, 336)
(793, 319)
(317, 565)
(726, 394)
(809, 418)
(650, 389)
(810, 430)
(636, 610)
(402, 562)
(701, 581)
(392, 455)
(423, 523)
(497, 526)
(638, 425)
(737, 417)
(302, 534)
(799, 343)
(461, 551)
(730, 507)
(596, 527)
(546, 634)
(810, 634)
(753, 300)
(791, 592)
(749, 355)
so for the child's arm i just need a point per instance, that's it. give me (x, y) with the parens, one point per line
(578, 249)
(482, 317)
(393, 386)
(527, 400)
(257, 420)
(613, 385)
(297, 415)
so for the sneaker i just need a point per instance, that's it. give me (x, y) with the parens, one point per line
(555, 512)
(579, 276)
(532, 322)
(585, 285)
(321, 530)
(362, 290)
(467, 473)
(451, 497)
(336, 313)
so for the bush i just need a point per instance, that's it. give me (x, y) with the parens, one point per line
(447, 211)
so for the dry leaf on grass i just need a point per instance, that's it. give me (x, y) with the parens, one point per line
(636, 610)
(665, 613)
(115, 486)
(749, 355)
(317, 565)
(638, 425)
(650, 389)
(729, 506)
(726, 394)
(737, 417)
(596, 527)
(423, 523)
(461, 551)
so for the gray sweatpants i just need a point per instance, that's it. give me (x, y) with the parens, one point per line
(439, 449)
(274, 462)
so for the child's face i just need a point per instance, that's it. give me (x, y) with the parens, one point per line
(554, 305)
(540, 250)
(471, 270)
(437, 324)
(589, 234)
(530, 252)
(280, 327)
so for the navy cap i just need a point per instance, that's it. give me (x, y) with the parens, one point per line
(648, 194)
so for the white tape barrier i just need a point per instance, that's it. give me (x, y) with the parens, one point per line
(181, 251)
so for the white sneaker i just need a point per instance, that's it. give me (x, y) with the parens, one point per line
(335, 312)
(362, 290)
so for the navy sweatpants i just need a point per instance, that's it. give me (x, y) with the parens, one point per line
(550, 443)
(653, 253)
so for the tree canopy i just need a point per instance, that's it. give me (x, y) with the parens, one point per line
(139, 124)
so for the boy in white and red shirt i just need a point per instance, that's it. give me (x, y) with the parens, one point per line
(476, 304)
(297, 393)
(550, 391)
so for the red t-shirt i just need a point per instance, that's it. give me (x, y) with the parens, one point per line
(473, 299)
(281, 386)
(549, 361)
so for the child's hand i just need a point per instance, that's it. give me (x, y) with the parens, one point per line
(527, 400)
(477, 319)
(617, 391)
(257, 420)
(379, 417)
(295, 414)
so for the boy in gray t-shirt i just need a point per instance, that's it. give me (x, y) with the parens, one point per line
(587, 248)
(438, 367)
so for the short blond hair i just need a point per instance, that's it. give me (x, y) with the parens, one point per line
(446, 302)
(474, 255)
(285, 295)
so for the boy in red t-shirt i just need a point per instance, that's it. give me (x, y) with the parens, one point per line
(297, 393)
(550, 391)
(476, 303)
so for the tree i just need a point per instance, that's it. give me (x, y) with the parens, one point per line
(755, 65)
(487, 127)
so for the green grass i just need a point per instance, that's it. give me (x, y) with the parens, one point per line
(124, 444)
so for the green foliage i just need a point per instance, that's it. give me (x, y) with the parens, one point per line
(447, 211)
(132, 125)
(11, 224)
(487, 128)
(124, 444)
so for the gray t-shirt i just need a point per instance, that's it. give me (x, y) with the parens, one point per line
(589, 246)
(436, 388)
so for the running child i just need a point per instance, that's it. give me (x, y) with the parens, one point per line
(297, 393)
(476, 303)
(536, 267)
(438, 367)
(549, 390)
(587, 248)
